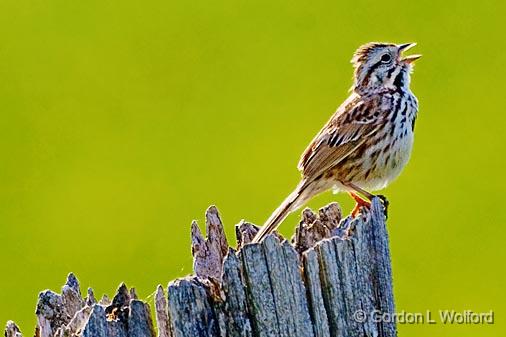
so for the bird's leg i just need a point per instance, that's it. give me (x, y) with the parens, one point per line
(369, 196)
(359, 204)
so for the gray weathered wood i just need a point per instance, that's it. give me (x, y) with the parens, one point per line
(208, 253)
(311, 287)
(12, 330)
(236, 306)
(68, 314)
(314, 294)
(191, 309)
(162, 316)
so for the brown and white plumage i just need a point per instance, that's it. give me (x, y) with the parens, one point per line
(367, 142)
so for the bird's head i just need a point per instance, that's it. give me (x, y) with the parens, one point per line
(382, 65)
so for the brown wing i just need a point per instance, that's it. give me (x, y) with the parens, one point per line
(353, 123)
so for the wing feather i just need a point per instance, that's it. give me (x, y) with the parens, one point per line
(353, 123)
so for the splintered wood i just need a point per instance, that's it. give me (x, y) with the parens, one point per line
(314, 286)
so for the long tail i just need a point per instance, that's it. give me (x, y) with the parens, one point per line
(295, 200)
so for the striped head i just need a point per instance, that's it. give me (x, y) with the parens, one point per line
(382, 66)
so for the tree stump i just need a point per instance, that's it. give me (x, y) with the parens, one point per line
(333, 279)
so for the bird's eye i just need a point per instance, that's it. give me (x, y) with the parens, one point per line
(385, 58)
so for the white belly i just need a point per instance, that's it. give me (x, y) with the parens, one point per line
(390, 165)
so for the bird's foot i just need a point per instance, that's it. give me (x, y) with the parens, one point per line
(385, 203)
(358, 207)
(359, 204)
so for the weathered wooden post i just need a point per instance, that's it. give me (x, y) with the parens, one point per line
(333, 279)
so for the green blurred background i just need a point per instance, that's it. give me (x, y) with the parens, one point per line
(123, 120)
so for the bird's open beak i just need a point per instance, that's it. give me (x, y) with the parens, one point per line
(405, 47)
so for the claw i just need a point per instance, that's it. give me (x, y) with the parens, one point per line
(385, 203)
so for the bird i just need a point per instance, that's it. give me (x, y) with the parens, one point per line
(367, 141)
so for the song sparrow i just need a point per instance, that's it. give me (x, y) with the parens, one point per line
(367, 142)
